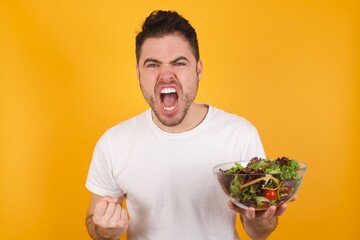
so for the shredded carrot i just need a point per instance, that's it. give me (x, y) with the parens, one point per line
(279, 189)
(260, 179)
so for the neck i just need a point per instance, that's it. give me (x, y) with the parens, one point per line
(195, 115)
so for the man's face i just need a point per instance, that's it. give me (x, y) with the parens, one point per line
(169, 76)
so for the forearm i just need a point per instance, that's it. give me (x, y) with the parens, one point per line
(259, 229)
(93, 230)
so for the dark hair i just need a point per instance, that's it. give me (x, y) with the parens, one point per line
(160, 23)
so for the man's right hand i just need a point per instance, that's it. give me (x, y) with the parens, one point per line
(110, 219)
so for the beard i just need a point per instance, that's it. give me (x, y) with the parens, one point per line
(186, 101)
(174, 121)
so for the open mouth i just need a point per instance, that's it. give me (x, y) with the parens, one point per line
(169, 97)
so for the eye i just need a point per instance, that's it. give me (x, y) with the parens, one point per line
(151, 65)
(180, 64)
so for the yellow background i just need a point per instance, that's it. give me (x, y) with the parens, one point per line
(67, 73)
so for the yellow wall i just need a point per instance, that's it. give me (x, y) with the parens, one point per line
(67, 73)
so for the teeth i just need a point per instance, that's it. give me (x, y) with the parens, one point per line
(169, 108)
(168, 90)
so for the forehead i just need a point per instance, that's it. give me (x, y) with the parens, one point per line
(166, 47)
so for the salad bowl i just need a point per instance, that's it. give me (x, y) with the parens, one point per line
(260, 183)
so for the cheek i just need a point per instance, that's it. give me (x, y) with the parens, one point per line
(147, 86)
(190, 82)
(147, 80)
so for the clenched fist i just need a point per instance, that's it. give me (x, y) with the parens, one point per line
(109, 218)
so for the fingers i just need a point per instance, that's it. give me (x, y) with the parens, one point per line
(124, 218)
(100, 209)
(236, 208)
(119, 219)
(117, 211)
(101, 206)
(293, 198)
(120, 215)
(269, 212)
(281, 209)
(110, 210)
(108, 213)
(250, 212)
(110, 199)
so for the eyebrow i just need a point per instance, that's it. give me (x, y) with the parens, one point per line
(153, 60)
(178, 59)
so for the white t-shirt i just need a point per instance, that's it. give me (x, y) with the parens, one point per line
(167, 179)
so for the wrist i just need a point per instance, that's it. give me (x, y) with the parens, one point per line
(98, 233)
(106, 234)
(259, 229)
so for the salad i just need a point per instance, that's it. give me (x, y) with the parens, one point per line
(262, 182)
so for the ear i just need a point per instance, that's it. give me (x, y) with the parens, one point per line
(199, 69)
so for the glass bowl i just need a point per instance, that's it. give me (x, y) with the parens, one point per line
(259, 189)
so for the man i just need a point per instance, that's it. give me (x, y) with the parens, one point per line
(160, 161)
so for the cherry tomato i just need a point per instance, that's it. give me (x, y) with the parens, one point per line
(270, 194)
(285, 190)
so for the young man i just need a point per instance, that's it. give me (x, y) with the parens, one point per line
(161, 161)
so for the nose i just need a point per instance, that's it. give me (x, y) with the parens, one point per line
(166, 74)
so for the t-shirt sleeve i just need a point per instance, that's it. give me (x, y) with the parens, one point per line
(100, 179)
(255, 147)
